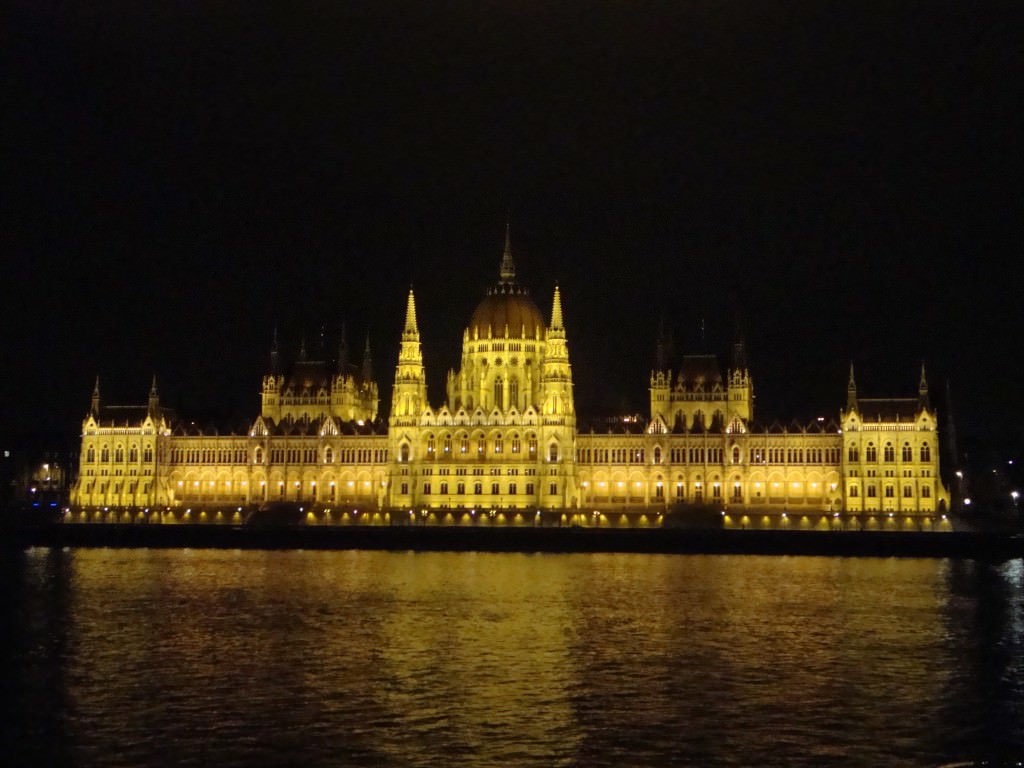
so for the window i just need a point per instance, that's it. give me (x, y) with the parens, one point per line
(926, 452)
(679, 490)
(119, 454)
(512, 489)
(105, 454)
(716, 491)
(405, 489)
(657, 455)
(659, 491)
(853, 454)
(533, 445)
(529, 489)
(494, 489)
(147, 453)
(90, 455)
(889, 492)
(430, 444)
(889, 452)
(735, 454)
(513, 393)
(403, 452)
(737, 492)
(872, 491)
(133, 454)
(444, 488)
(553, 489)
(515, 443)
(853, 491)
(478, 488)
(553, 452)
(498, 443)
(447, 444)
(328, 455)
(498, 393)
(463, 444)
(460, 488)
(926, 492)
(871, 453)
(907, 453)
(426, 488)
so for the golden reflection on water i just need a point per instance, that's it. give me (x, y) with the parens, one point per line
(378, 658)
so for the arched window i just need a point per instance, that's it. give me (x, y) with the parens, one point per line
(907, 454)
(258, 456)
(553, 452)
(871, 453)
(498, 443)
(447, 444)
(119, 454)
(133, 454)
(147, 453)
(533, 445)
(853, 491)
(853, 454)
(90, 455)
(328, 455)
(498, 392)
(735, 454)
(657, 454)
(516, 445)
(513, 393)
(464, 444)
(403, 452)
(890, 452)
(926, 452)
(430, 444)
(104, 454)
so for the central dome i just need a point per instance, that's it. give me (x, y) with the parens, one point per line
(510, 306)
(507, 305)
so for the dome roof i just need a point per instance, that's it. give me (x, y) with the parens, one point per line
(507, 305)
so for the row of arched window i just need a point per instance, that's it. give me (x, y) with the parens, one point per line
(118, 454)
(888, 453)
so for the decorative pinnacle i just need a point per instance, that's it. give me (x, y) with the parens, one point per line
(556, 310)
(923, 385)
(852, 384)
(152, 388)
(508, 266)
(410, 314)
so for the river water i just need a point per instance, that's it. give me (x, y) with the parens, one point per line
(231, 658)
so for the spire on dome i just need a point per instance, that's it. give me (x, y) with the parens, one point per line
(556, 311)
(410, 314)
(94, 407)
(508, 266)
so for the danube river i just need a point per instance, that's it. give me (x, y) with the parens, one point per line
(230, 658)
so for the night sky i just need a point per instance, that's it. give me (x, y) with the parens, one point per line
(844, 179)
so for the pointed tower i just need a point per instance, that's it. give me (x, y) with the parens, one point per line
(154, 399)
(660, 376)
(302, 349)
(409, 397)
(94, 406)
(851, 392)
(275, 355)
(367, 370)
(922, 391)
(740, 384)
(558, 410)
(507, 272)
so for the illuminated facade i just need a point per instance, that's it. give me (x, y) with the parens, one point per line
(504, 448)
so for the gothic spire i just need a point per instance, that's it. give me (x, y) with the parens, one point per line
(302, 349)
(367, 361)
(508, 266)
(922, 389)
(94, 407)
(410, 315)
(275, 354)
(154, 397)
(556, 311)
(660, 348)
(851, 391)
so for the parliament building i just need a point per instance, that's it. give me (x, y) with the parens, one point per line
(506, 448)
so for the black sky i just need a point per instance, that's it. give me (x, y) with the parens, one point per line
(179, 177)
